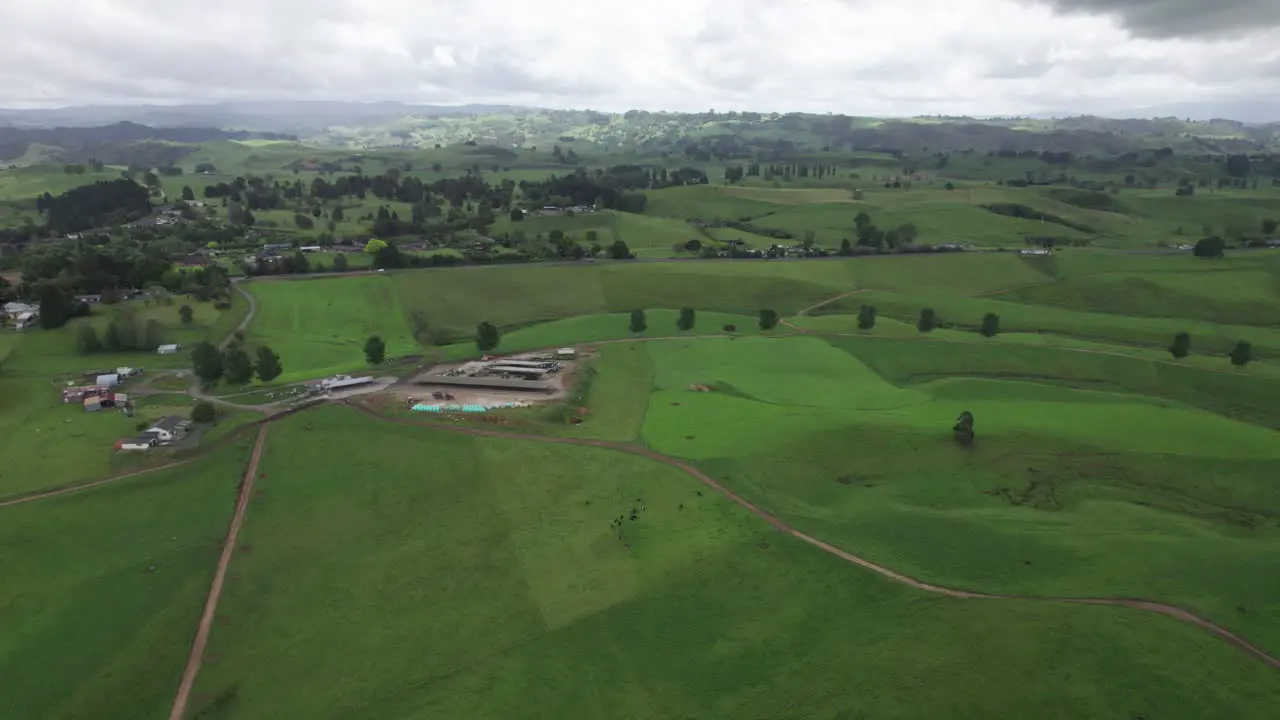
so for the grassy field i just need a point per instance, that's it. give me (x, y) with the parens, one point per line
(499, 556)
(816, 432)
(102, 591)
(319, 327)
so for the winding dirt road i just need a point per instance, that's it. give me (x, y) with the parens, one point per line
(196, 657)
(1172, 611)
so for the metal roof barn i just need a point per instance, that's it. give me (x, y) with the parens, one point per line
(342, 381)
(492, 383)
(521, 370)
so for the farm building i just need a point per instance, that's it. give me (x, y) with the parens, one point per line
(127, 372)
(1035, 251)
(94, 404)
(565, 352)
(487, 383)
(138, 443)
(109, 380)
(167, 428)
(531, 372)
(78, 394)
(338, 382)
(168, 349)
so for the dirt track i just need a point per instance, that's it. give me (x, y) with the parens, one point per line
(1133, 603)
(196, 657)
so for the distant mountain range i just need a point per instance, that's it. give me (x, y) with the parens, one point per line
(1250, 112)
(296, 117)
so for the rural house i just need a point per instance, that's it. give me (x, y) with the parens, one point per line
(167, 429)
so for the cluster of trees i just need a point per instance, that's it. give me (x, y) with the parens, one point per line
(778, 171)
(1240, 355)
(868, 235)
(234, 363)
(104, 203)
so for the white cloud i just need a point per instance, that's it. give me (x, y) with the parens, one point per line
(852, 56)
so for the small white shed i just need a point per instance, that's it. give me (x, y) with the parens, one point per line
(108, 380)
(168, 349)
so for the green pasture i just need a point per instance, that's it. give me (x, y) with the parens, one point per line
(1207, 337)
(103, 589)
(1059, 473)
(500, 557)
(611, 328)
(319, 327)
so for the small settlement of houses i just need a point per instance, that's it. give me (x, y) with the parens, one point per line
(102, 394)
(21, 315)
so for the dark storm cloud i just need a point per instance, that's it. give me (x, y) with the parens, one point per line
(1179, 18)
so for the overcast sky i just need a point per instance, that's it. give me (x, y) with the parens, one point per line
(852, 56)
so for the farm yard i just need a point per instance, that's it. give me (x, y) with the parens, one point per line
(745, 475)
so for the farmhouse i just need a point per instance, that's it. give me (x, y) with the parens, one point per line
(26, 319)
(167, 429)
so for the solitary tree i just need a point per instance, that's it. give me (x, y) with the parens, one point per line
(1210, 247)
(1181, 346)
(962, 430)
(206, 362)
(1269, 227)
(268, 366)
(55, 307)
(187, 194)
(187, 314)
(638, 322)
(990, 325)
(374, 246)
(928, 320)
(237, 367)
(375, 351)
(203, 412)
(686, 320)
(866, 317)
(487, 336)
(619, 251)
(87, 339)
(340, 263)
(768, 319)
(1242, 354)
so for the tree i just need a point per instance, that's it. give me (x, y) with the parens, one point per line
(340, 263)
(486, 337)
(112, 341)
(990, 325)
(187, 314)
(638, 322)
(1210, 247)
(928, 320)
(1242, 354)
(1181, 346)
(619, 251)
(203, 412)
(1269, 227)
(237, 367)
(375, 246)
(206, 362)
(187, 194)
(300, 264)
(962, 430)
(866, 317)
(686, 320)
(55, 307)
(768, 319)
(87, 339)
(375, 351)
(268, 366)
(845, 247)
(336, 214)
